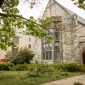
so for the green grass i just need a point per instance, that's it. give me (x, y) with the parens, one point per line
(20, 78)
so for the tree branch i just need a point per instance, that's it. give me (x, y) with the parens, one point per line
(13, 15)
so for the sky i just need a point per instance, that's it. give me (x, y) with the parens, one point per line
(39, 8)
(36, 11)
(69, 5)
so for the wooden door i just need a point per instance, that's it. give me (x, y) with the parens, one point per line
(83, 57)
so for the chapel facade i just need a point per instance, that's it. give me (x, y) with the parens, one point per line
(68, 44)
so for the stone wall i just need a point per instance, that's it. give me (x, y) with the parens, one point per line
(72, 32)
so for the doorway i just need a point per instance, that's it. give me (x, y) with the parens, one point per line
(83, 57)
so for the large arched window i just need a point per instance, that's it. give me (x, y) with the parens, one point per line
(51, 50)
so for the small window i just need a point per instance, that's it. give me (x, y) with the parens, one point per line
(47, 55)
(29, 46)
(15, 49)
(29, 39)
(16, 40)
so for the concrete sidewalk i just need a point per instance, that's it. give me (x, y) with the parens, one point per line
(68, 81)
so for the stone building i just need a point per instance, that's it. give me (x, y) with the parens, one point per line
(25, 41)
(68, 31)
(70, 44)
(31, 42)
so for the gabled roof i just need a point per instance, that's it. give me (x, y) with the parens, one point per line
(72, 9)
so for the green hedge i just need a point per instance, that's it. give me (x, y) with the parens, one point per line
(6, 66)
(77, 83)
(42, 67)
(72, 67)
(82, 68)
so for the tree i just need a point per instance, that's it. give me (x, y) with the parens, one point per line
(80, 3)
(10, 19)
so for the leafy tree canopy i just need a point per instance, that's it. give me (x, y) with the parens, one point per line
(80, 3)
(10, 19)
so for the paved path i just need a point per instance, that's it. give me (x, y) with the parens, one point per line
(68, 81)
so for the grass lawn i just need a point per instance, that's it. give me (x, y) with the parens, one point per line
(20, 78)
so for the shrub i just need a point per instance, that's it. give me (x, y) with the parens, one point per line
(82, 68)
(43, 68)
(6, 66)
(77, 83)
(32, 74)
(40, 69)
(20, 67)
(61, 67)
(72, 67)
(20, 57)
(57, 74)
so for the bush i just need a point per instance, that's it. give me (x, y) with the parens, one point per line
(6, 66)
(20, 57)
(20, 67)
(32, 74)
(61, 67)
(34, 71)
(77, 83)
(39, 69)
(72, 67)
(82, 68)
(44, 68)
(57, 74)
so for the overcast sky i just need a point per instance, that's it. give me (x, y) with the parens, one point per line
(69, 5)
(36, 11)
(40, 7)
